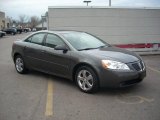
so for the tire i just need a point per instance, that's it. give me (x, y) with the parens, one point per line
(19, 64)
(86, 79)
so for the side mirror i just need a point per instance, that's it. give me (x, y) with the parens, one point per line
(61, 47)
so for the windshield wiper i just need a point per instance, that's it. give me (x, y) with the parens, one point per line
(86, 49)
(102, 46)
(93, 48)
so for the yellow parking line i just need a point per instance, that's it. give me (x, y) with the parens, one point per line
(49, 102)
(153, 69)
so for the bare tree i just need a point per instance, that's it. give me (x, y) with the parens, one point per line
(22, 19)
(34, 21)
(10, 21)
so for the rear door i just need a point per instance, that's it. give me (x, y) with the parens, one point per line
(33, 51)
(56, 61)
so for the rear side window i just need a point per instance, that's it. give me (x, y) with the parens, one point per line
(37, 38)
(53, 40)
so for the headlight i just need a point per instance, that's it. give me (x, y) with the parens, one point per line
(143, 65)
(114, 65)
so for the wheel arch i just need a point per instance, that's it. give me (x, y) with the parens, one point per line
(83, 64)
(16, 54)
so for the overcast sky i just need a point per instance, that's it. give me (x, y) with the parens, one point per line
(14, 8)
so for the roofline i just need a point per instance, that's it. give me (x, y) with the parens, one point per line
(60, 31)
(102, 7)
(2, 12)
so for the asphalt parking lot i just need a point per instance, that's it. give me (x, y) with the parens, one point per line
(38, 96)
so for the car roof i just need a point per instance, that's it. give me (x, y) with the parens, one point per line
(60, 31)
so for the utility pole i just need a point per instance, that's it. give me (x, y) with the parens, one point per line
(109, 3)
(43, 20)
(87, 1)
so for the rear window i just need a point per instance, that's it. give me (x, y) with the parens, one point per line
(36, 38)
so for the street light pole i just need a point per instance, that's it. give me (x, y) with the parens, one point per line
(109, 3)
(87, 1)
(43, 19)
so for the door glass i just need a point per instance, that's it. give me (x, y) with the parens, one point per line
(38, 38)
(53, 40)
(28, 39)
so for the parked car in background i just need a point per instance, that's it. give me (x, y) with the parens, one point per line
(19, 30)
(27, 30)
(11, 31)
(34, 30)
(79, 56)
(2, 33)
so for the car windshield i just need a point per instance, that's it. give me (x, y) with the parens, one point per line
(84, 41)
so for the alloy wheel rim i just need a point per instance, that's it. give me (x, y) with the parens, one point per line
(19, 64)
(85, 80)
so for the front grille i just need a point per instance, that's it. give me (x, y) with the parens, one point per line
(137, 66)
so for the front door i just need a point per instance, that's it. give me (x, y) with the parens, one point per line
(56, 61)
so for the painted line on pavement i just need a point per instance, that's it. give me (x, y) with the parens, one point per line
(153, 69)
(49, 101)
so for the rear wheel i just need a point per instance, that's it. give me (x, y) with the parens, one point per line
(19, 64)
(86, 79)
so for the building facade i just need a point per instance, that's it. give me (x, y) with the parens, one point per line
(136, 29)
(2, 20)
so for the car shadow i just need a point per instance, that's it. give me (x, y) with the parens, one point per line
(118, 91)
(55, 79)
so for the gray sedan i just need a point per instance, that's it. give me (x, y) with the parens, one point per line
(79, 56)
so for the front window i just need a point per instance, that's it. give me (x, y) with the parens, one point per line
(83, 41)
(38, 38)
(53, 40)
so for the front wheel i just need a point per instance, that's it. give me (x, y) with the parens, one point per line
(86, 79)
(19, 64)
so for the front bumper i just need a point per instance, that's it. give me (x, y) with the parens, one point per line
(115, 78)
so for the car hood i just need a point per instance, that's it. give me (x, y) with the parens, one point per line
(114, 53)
